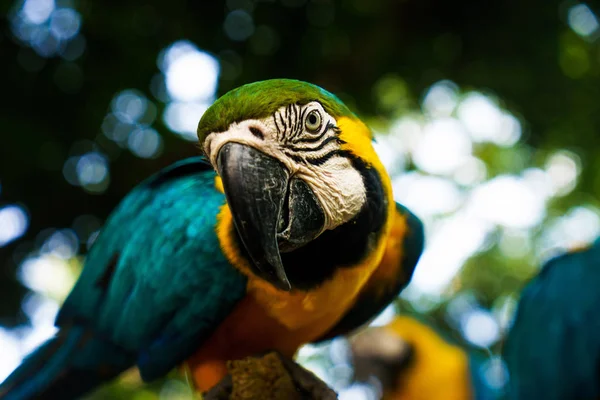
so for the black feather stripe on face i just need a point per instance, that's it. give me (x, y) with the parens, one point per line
(290, 125)
(317, 148)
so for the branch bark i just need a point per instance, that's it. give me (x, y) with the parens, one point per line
(271, 376)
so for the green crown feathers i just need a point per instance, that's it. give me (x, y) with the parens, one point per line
(260, 99)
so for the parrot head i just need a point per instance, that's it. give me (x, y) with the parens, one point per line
(292, 160)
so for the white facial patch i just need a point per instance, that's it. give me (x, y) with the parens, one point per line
(339, 188)
(309, 154)
(239, 132)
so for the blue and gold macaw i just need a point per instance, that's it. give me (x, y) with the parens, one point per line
(414, 361)
(295, 237)
(553, 348)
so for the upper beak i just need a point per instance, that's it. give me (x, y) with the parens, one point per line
(271, 211)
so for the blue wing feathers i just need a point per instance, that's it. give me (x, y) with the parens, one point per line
(169, 253)
(63, 365)
(553, 349)
(156, 283)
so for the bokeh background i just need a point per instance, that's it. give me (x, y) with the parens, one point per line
(485, 113)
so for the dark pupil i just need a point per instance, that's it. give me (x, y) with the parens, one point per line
(312, 119)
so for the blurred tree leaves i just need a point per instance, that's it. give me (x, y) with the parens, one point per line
(493, 276)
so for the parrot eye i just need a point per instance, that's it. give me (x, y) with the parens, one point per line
(313, 121)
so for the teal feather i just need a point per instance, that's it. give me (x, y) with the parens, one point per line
(553, 347)
(154, 285)
(61, 367)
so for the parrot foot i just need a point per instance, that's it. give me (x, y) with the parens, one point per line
(271, 376)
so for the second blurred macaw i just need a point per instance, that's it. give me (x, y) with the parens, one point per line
(553, 348)
(413, 361)
(295, 231)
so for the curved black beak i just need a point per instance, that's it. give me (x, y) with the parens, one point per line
(266, 206)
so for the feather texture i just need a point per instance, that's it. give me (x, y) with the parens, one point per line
(404, 249)
(154, 285)
(553, 348)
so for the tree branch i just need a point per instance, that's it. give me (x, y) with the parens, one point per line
(271, 376)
